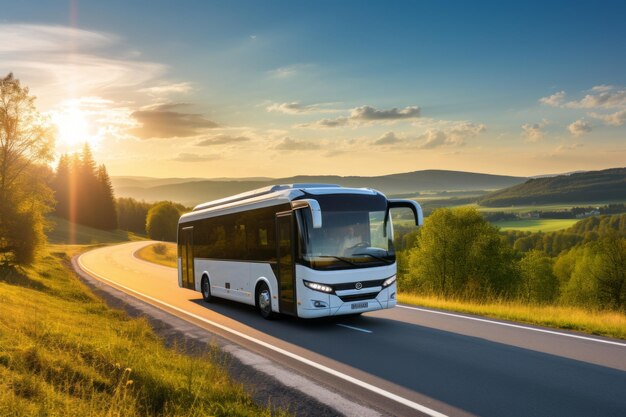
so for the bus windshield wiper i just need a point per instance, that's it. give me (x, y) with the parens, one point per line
(380, 258)
(338, 258)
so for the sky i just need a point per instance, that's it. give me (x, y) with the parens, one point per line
(279, 88)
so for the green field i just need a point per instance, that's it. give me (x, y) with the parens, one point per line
(536, 225)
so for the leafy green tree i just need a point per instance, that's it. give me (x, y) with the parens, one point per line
(132, 214)
(26, 142)
(538, 282)
(582, 286)
(162, 221)
(611, 271)
(460, 254)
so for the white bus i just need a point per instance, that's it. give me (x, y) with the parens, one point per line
(307, 250)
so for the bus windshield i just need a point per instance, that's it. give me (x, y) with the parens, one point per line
(351, 236)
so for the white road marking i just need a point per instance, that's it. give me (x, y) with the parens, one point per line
(293, 380)
(517, 326)
(406, 402)
(354, 328)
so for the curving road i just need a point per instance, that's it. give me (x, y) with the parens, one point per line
(404, 361)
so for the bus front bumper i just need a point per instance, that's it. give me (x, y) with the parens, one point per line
(319, 304)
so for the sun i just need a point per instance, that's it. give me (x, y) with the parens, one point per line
(73, 128)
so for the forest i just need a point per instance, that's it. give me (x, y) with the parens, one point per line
(458, 254)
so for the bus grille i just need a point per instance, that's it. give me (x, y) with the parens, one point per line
(358, 297)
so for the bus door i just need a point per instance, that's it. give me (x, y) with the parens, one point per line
(186, 242)
(286, 267)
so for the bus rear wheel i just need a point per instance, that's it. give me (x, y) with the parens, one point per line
(205, 289)
(264, 301)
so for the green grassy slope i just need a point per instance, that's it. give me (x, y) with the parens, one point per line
(64, 352)
(65, 232)
(593, 186)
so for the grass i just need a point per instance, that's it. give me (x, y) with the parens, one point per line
(65, 232)
(601, 323)
(64, 352)
(164, 253)
(536, 225)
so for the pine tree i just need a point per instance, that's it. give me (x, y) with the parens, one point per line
(61, 187)
(107, 215)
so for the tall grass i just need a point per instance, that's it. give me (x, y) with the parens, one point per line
(64, 352)
(602, 323)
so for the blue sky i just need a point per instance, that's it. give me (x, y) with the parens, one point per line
(257, 88)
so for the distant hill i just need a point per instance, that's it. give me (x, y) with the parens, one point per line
(584, 187)
(195, 190)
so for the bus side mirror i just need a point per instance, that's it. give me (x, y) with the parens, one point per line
(410, 204)
(314, 206)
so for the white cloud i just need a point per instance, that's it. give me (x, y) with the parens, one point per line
(48, 38)
(455, 135)
(579, 127)
(533, 131)
(614, 119)
(223, 140)
(289, 144)
(602, 88)
(167, 89)
(555, 100)
(60, 61)
(288, 71)
(296, 107)
(192, 157)
(388, 138)
(167, 121)
(600, 96)
(448, 134)
(367, 114)
(607, 99)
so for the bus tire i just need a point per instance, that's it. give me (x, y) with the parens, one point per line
(264, 301)
(205, 288)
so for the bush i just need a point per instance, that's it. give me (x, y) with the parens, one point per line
(159, 249)
(162, 221)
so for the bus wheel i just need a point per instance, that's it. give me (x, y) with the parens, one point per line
(205, 288)
(264, 301)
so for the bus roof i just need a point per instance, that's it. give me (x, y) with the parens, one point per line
(268, 196)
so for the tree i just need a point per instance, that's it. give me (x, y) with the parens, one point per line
(460, 254)
(132, 214)
(162, 221)
(84, 192)
(538, 282)
(611, 273)
(26, 141)
(107, 213)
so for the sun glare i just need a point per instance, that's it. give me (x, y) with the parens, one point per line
(73, 128)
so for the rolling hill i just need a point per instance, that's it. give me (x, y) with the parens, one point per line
(192, 191)
(584, 187)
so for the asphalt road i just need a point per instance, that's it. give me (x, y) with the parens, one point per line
(405, 358)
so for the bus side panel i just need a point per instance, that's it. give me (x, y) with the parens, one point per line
(242, 278)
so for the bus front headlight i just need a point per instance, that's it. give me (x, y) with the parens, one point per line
(319, 287)
(389, 281)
